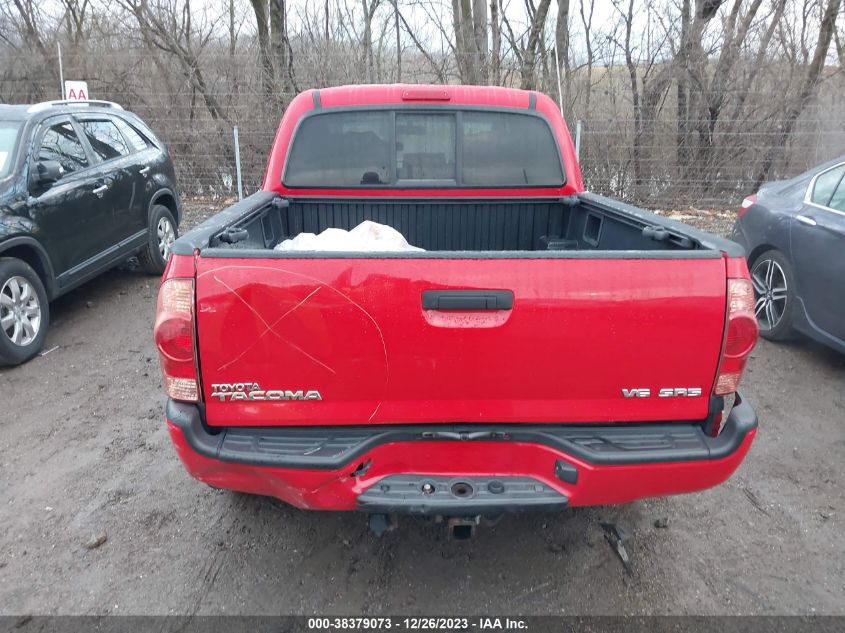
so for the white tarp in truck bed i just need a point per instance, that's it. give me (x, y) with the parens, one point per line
(366, 237)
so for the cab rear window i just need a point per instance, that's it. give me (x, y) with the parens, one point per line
(503, 149)
(341, 150)
(405, 148)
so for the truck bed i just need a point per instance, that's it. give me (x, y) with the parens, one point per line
(585, 224)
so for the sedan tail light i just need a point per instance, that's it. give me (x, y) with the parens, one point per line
(174, 338)
(747, 203)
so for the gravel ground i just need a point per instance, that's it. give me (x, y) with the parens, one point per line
(99, 516)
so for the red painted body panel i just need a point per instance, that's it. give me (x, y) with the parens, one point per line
(338, 489)
(364, 95)
(580, 331)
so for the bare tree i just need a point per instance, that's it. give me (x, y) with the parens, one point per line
(470, 27)
(437, 67)
(166, 25)
(233, 38)
(811, 80)
(370, 7)
(31, 27)
(562, 47)
(262, 24)
(495, 76)
(529, 53)
(691, 65)
(685, 100)
(282, 51)
(649, 82)
(587, 21)
(76, 14)
(714, 84)
(398, 42)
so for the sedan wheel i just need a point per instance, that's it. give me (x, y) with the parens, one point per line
(20, 311)
(771, 291)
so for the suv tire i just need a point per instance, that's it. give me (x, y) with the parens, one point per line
(161, 234)
(24, 312)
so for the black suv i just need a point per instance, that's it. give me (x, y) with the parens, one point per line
(83, 187)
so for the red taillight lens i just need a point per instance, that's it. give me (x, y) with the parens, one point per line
(174, 338)
(742, 334)
(749, 202)
(740, 337)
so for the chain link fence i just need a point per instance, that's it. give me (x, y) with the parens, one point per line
(650, 167)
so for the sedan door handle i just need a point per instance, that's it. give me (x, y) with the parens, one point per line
(144, 170)
(803, 219)
(99, 191)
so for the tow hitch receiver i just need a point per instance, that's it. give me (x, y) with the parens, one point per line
(462, 528)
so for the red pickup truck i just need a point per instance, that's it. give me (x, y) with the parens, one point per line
(549, 347)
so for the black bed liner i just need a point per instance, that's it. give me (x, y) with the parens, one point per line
(587, 225)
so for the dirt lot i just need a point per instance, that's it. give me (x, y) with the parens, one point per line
(85, 456)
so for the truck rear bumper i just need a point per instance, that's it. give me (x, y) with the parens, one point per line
(461, 469)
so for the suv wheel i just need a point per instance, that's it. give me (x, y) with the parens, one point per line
(24, 312)
(161, 235)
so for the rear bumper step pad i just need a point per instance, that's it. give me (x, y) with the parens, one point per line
(428, 495)
(334, 447)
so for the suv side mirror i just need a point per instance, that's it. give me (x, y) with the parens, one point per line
(47, 172)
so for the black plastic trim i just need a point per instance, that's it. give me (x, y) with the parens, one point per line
(566, 472)
(467, 299)
(405, 494)
(673, 227)
(200, 236)
(50, 284)
(263, 253)
(333, 447)
(165, 191)
(99, 263)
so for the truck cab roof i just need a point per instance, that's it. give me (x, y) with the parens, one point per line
(392, 94)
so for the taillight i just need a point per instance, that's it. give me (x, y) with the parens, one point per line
(747, 203)
(740, 336)
(174, 338)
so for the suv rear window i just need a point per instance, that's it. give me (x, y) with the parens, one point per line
(408, 148)
(136, 140)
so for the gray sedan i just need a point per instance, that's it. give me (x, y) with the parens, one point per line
(793, 232)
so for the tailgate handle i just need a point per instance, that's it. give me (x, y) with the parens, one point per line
(467, 300)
